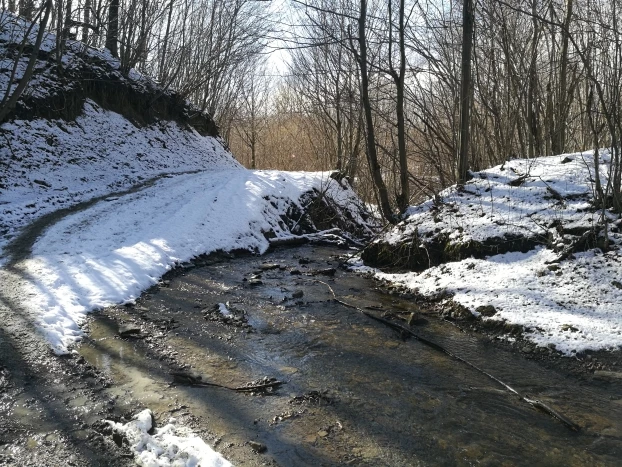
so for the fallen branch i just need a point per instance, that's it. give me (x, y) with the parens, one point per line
(257, 387)
(518, 181)
(293, 240)
(404, 330)
(188, 379)
(330, 236)
(577, 245)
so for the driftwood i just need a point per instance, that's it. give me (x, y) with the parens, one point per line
(188, 379)
(406, 331)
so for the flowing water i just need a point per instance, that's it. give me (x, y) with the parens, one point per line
(355, 392)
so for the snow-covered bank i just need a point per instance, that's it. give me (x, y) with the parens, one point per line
(572, 304)
(178, 192)
(116, 249)
(53, 164)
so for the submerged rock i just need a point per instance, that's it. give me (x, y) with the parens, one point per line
(129, 329)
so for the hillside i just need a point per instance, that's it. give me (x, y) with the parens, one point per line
(87, 130)
(109, 181)
(521, 244)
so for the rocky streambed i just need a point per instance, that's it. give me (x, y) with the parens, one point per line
(288, 359)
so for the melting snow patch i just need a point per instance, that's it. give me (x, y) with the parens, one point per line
(171, 445)
(223, 309)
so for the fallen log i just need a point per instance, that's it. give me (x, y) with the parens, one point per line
(330, 236)
(537, 404)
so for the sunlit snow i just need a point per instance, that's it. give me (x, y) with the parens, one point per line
(573, 305)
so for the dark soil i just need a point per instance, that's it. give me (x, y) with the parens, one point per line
(87, 76)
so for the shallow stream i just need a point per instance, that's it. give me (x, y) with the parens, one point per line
(355, 392)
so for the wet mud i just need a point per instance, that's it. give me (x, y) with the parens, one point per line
(355, 391)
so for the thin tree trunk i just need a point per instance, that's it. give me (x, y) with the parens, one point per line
(558, 143)
(404, 197)
(165, 45)
(372, 154)
(112, 35)
(465, 91)
(532, 119)
(87, 21)
(67, 20)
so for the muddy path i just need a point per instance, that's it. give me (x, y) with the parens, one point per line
(20, 247)
(50, 407)
(355, 392)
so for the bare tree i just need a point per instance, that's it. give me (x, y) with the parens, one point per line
(252, 112)
(12, 95)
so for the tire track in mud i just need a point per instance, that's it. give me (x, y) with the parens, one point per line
(51, 406)
(20, 247)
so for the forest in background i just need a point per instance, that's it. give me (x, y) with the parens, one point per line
(399, 95)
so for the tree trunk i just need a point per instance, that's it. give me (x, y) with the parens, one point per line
(558, 143)
(112, 35)
(404, 197)
(87, 21)
(465, 91)
(165, 45)
(532, 123)
(372, 153)
(67, 20)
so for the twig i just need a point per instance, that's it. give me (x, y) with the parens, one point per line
(533, 402)
(272, 384)
(577, 245)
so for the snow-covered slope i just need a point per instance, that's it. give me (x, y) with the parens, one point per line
(112, 251)
(551, 275)
(96, 205)
(52, 164)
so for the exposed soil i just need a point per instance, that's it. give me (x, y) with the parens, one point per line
(86, 75)
(418, 254)
(50, 407)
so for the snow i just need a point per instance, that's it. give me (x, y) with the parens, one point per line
(572, 305)
(126, 203)
(95, 210)
(101, 152)
(222, 308)
(198, 200)
(111, 252)
(490, 207)
(170, 445)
